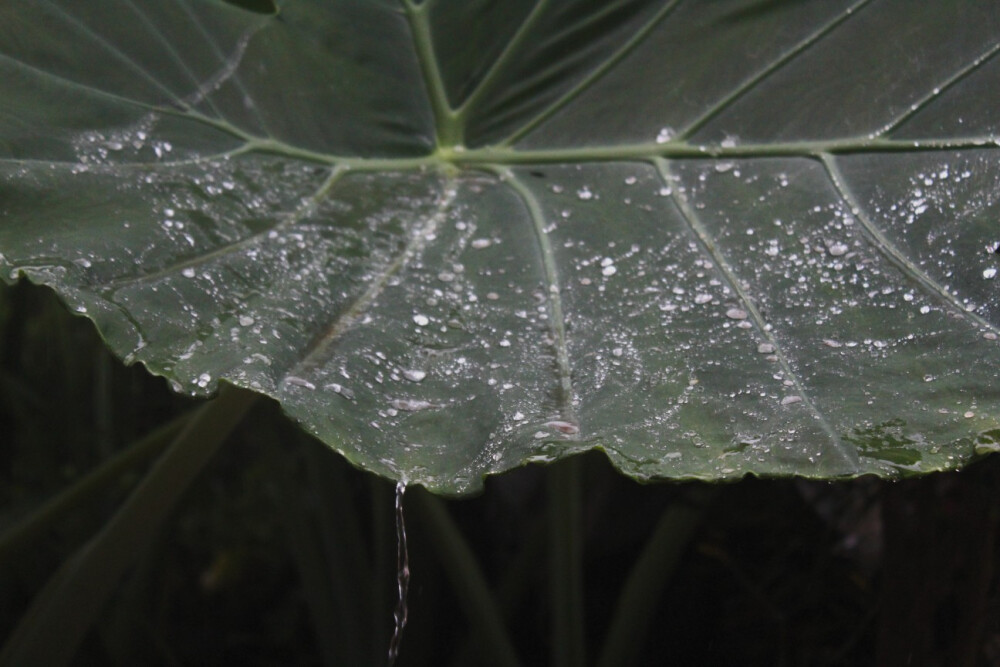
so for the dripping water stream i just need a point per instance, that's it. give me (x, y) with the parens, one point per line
(402, 575)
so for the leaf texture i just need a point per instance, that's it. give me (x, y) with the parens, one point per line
(708, 238)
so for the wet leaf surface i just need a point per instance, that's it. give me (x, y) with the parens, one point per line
(710, 239)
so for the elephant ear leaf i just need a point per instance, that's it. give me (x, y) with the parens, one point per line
(707, 238)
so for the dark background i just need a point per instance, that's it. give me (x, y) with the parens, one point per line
(281, 553)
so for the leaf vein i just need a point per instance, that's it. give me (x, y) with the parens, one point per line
(749, 84)
(961, 74)
(553, 296)
(690, 217)
(596, 74)
(307, 207)
(344, 321)
(889, 250)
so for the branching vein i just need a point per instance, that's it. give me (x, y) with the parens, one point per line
(690, 216)
(304, 210)
(892, 253)
(317, 350)
(553, 295)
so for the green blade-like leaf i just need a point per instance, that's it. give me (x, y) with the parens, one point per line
(709, 238)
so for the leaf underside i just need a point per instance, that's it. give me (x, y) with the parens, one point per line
(708, 238)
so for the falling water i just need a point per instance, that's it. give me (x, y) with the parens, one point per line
(402, 575)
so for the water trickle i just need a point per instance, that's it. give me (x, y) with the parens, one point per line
(402, 576)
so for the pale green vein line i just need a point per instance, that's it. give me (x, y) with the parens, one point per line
(449, 130)
(939, 90)
(229, 66)
(691, 218)
(553, 295)
(174, 55)
(415, 244)
(495, 155)
(305, 209)
(596, 74)
(112, 168)
(110, 48)
(892, 253)
(496, 68)
(773, 67)
(177, 112)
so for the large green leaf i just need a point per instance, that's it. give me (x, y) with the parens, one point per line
(708, 237)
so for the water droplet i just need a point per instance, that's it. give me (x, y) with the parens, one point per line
(836, 249)
(518, 416)
(789, 400)
(989, 273)
(702, 298)
(414, 375)
(296, 381)
(609, 270)
(829, 342)
(665, 135)
(479, 244)
(585, 193)
(736, 314)
(340, 389)
(246, 320)
(566, 428)
(765, 348)
(411, 405)
(421, 320)
(187, 272)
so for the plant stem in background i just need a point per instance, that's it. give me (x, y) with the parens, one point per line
(460, 565)
(23, 533)
(566, 565)
(643, 590)
(59, 617)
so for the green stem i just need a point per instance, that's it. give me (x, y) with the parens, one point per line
(467, 579)
(450, 129)
(566, 565)
(22, 534)
(652, 571)
(59, 617)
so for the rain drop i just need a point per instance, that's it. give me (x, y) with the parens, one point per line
(414, 375)
(421, 320)
(836, 249)
(736, 314)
